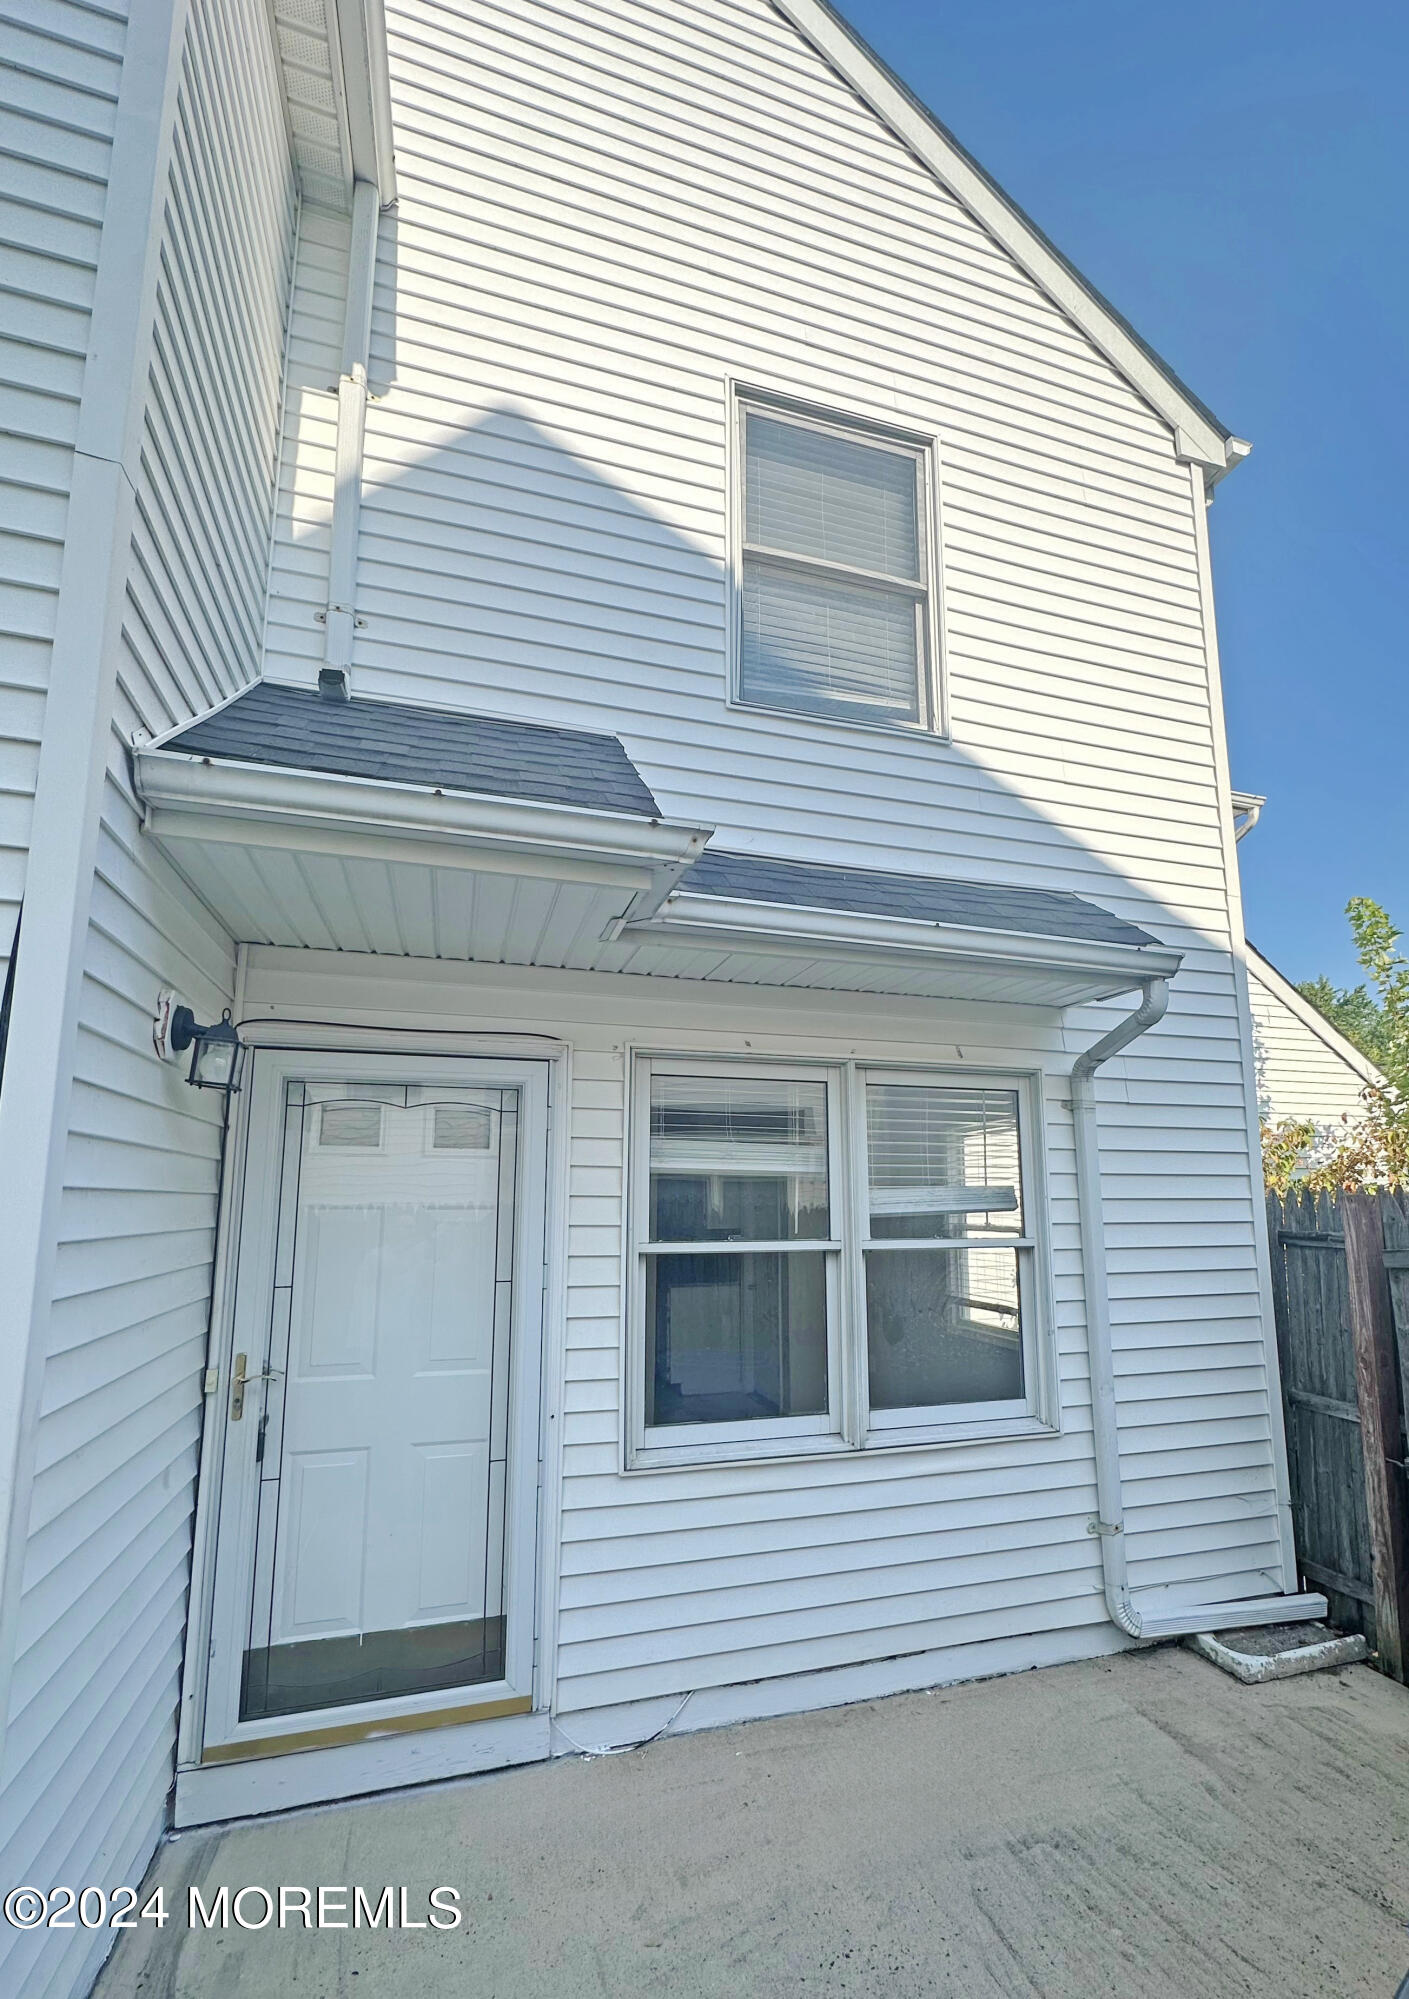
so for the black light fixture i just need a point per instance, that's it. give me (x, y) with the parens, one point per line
(217, 1052)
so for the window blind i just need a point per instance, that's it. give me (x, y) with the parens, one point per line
(728, 1124)
(810, 493)
(845, 646)
(939, 1152)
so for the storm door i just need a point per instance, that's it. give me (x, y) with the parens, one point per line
(376, 1451)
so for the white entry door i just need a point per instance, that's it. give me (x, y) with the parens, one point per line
(374, 1553)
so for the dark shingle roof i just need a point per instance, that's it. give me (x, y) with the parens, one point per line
(299, 729)
(1033, 912)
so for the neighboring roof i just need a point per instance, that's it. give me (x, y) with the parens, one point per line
(1311, 1017)
(1205, 438)
(297, 728)
(1030, 912)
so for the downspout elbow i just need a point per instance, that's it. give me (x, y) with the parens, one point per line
(1153, 1007)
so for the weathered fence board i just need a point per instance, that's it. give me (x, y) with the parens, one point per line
(1394, 1215)
(1381, 1423)
(1340, 1280)
(1324, 1455)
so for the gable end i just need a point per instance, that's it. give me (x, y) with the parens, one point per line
(1199, 437)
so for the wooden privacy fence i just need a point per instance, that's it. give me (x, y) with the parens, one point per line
(1340, 1282)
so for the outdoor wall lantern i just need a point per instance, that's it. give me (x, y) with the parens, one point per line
(217, 1052)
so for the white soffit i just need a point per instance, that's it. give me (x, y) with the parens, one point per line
(337, 98)
(317, 119)
(1198, 435)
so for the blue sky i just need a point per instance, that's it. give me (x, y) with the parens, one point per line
(1233, 175)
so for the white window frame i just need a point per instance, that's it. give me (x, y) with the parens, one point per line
(849, 1425)
(933, 722)
(693, 1443)
(968, 1419)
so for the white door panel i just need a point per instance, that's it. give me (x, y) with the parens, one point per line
(321, 1539)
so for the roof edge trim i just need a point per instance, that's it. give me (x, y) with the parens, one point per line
(1201, 435)
(1311, 1018)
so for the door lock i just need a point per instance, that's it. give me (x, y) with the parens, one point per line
(239, 1381)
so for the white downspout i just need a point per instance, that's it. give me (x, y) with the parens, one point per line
(1110, 1521)
(340, 618)
(1154, 1620)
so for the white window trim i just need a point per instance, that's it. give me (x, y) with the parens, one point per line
(849, 1427)
(741, 397)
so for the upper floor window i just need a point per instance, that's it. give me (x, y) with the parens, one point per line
(837, 612)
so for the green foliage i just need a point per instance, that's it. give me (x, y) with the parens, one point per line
(1375, 1151)
(1284, 1148)
(1376, 942)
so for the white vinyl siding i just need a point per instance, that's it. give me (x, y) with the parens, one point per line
(1305, 1069)
(603, 222)
(200, 544)
(708, 1576)
(60, 61)
(93, 1710)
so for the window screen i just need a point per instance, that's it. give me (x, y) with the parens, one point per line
(943, 1289)
(835, 611)
(736, 1315)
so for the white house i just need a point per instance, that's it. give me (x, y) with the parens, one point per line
(1306, 1069)
(592, 582)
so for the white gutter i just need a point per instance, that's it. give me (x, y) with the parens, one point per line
(1247, 810)
(1155, 1616)
(786, 929)
(340, 615)
(189, 797)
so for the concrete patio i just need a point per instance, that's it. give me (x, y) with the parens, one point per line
(1129, 1827)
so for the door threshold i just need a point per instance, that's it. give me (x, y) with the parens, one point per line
(253, 1748)
(385, 1762)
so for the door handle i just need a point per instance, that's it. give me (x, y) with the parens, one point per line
(239, 1381)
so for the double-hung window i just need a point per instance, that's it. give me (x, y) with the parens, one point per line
(831, 1258)
(738, 1253)
(836, 610)
(946, 1252)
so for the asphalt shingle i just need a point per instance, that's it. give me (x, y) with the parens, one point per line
(919, 898)
(299, 729)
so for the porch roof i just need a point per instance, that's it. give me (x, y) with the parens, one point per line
(381, 827)
(298, 728)
(758, 878)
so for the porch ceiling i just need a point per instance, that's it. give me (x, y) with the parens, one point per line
(395, 906)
